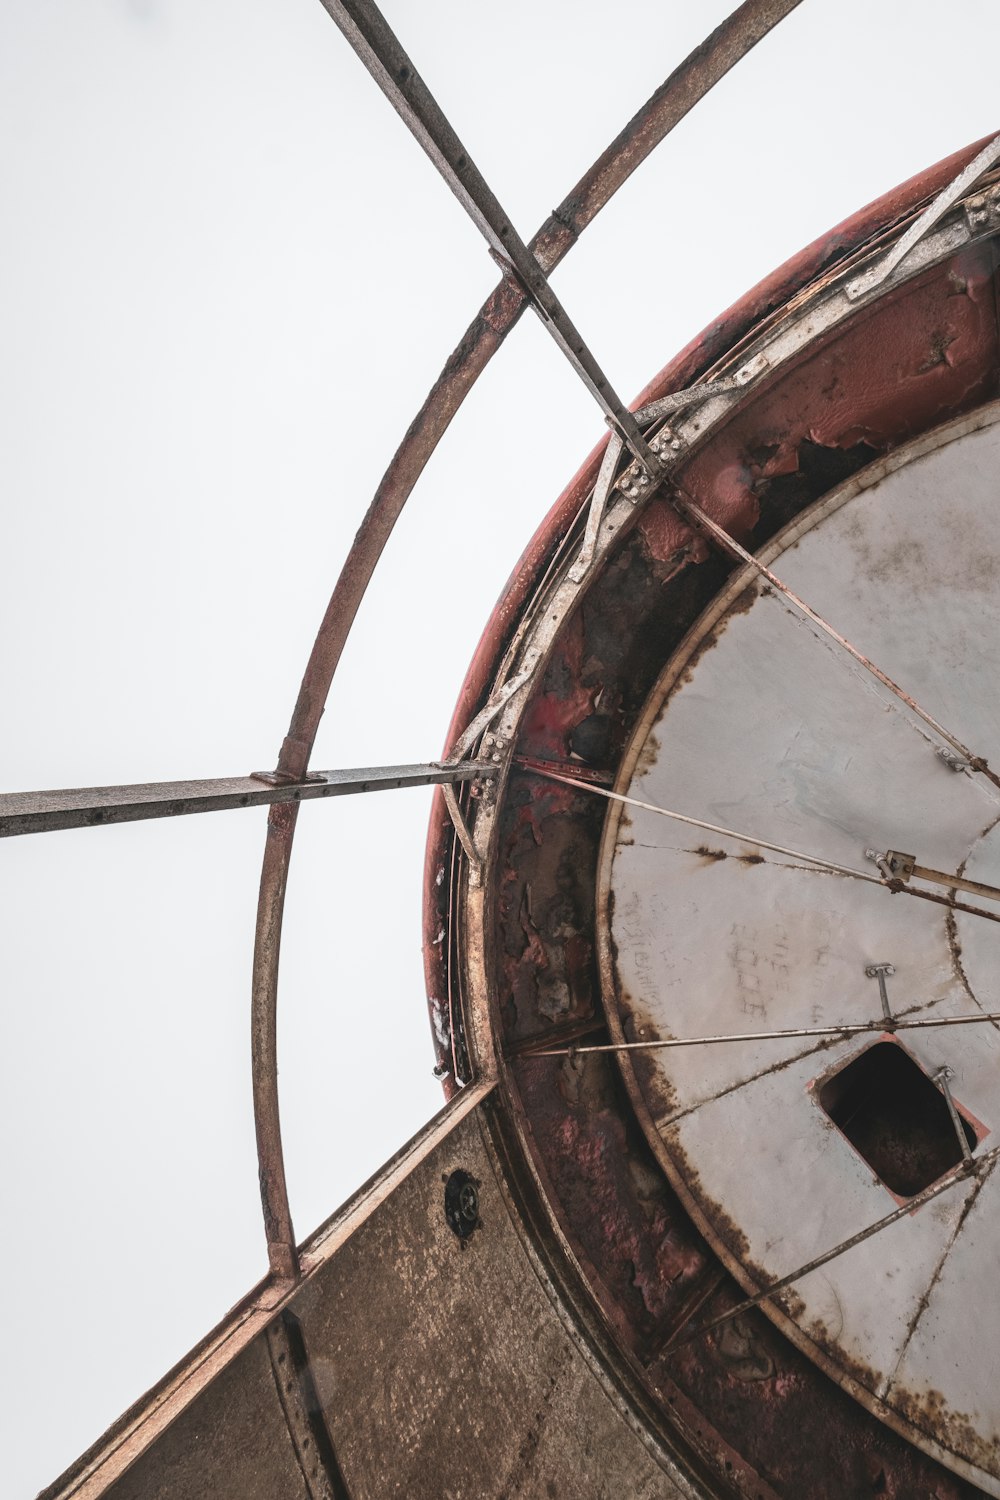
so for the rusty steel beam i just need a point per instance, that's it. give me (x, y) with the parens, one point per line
(91, 807)
(678, 94)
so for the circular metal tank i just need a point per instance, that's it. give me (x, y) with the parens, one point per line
(813, 704)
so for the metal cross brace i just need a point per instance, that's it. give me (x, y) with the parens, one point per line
(368, 32)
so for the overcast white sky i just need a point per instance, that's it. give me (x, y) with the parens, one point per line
(229, 277)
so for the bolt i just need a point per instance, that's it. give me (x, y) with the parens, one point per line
(952, 761)
(468, 1203)
(881, 861)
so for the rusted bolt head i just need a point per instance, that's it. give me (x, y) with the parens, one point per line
(461, 1203)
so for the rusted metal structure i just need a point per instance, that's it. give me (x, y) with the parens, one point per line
(717, 1157)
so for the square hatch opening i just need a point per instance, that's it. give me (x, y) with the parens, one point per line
(895, 1117)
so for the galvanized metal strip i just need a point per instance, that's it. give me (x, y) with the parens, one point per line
(598, 505)
(488, 713)
(91, 807)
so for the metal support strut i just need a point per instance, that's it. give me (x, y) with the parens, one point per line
(879, 972)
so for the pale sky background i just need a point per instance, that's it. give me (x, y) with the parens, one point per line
(229, 278)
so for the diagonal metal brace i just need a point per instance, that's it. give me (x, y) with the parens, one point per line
(598, 505)
(936, 210)
(484, 718)
(371, 37)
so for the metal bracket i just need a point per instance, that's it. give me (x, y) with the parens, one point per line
(635, 483)
(488, 713)
(693, 395)
(943, 1078)
(901, 866)
(982, 212)
(892, 864)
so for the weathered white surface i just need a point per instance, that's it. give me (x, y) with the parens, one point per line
(773, 730)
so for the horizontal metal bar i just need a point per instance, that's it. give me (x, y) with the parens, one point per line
(852, 1028)
(957, 882)
(368, 32)
(90, 807)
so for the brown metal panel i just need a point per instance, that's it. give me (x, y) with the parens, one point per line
(233, 1442)
(443, 1368)
(412, 1360)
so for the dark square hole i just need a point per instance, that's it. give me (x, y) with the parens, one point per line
(895, 1117)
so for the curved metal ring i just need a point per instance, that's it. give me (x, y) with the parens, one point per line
(699, 72)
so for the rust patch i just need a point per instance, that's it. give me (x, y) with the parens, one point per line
(711, 855)
(741, 605)
(929, 1411)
